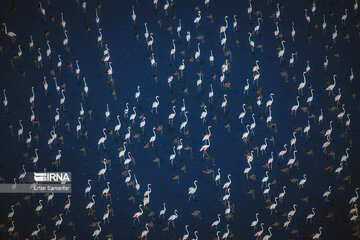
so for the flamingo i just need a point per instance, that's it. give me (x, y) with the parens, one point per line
(217, 177)
(183, 124)
(326, 144)
(133, 15)
(328, 132)
(292, 160)
(246, 88)
(137, 215)
(118, 126)
(310, 216)
(145, 232)
(102, 171)
(150, 43)
(223, 41)
(307, 69)
(153, 138)
(127, 161)
(39, 208)
(88, 189)
(208, 135)
(307, 129)
(227, 196)
(317, 235)
(266, 191)
(282, 51)
(216, 222)
(227, 184)
(66, 40)
(91, 204)
(293, 32)
(295, 107)
(282, 194)
(173, 217)
(307, 18)
(11, 214)
(5, 101)
(344, 17)
(58, 222)
(211, 58)
(242, 115)
(162, 212)
(255, 222)
(31, 43)
(224, 103)
(226, 235)
(36, 232)
(22, 175)
(341, 115)
(277, 31)
(270, 161)
(197, 19)
(331, 87)
(321, 116)
(292, 212)
(67, 205)
(249, 10)
(345, 157)
(267, 237)
(203, 115)
(286, 224)
(172, 156)
(337, 97)
(283, 152)
(106, 215)
(263, 147)
(293, 141)
(155, 104)
(246, 134)
(182, 67)
(102, 139)
(339, 169)
(10, 34)
(354, 199)
(310, 99)
(258, 233)
(347, 123)
(351, 77)
(257, 27)
(327, 194)
(106, 190)
(186, 236)
(192, 190)
(178, 29)
(265, 179)
(270, 102)
(132, 116)
(97, 19)
(302, 84)
(197, 53)
(223, 28)
(96, 233)
(251, 42)
(302, 181)
(291, 60)
(188, 37)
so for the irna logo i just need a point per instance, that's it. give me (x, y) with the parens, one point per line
(52, 177)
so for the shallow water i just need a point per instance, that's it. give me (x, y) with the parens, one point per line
(131, 68)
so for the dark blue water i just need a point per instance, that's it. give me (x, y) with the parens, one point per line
(131, 68)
